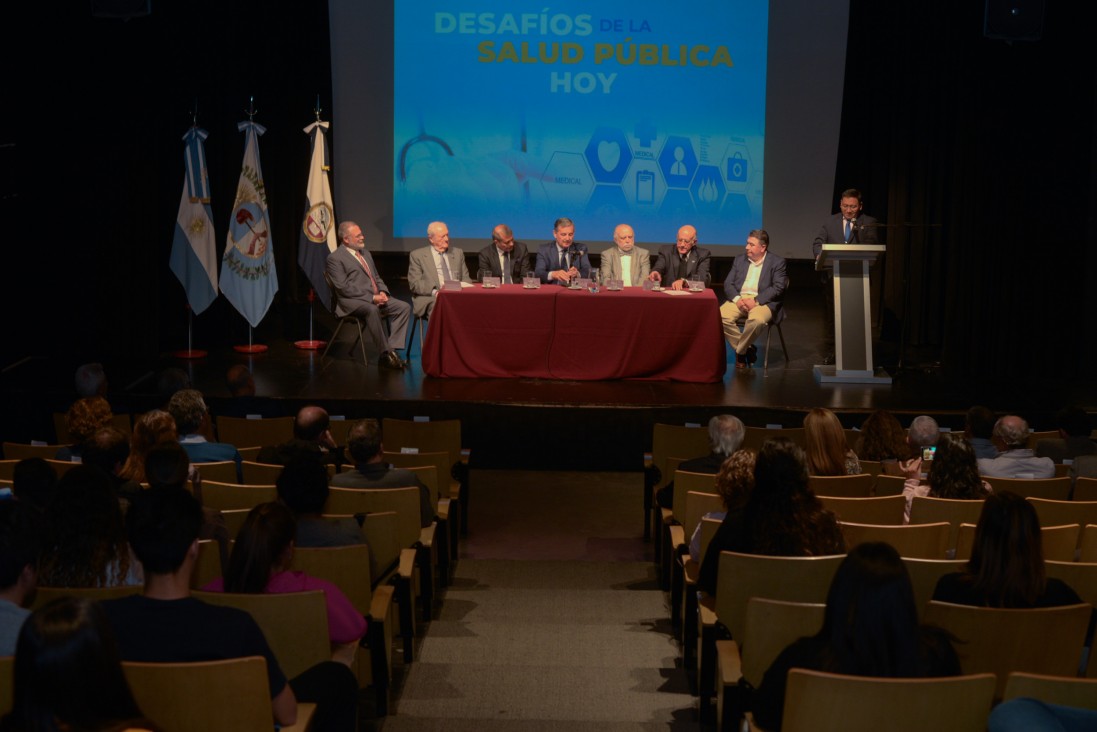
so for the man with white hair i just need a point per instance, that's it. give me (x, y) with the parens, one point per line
(626, 261)
(430, 267)
(1015, 459)
(725, 435)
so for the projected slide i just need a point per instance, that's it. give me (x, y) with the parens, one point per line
(644, 112)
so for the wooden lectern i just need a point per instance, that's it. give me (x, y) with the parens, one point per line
(852, 315)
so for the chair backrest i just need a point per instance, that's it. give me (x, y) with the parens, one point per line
(824, 702)
(1085, 489)
(1081, 576)
(888, 485)
(260, 473)
(243, 431)
(928, 510)
(697, 505)
(46, 594)
(885, 510)
(684, 483)
(1034, 437)
(847, 486)
(872, 467)
(442, 466)
(208, 566)
(249, 453)
(1057, 513)
(7, 684)
(7, 468)
(795, 579)
(220, 696)
(404, 502)
(1077, 693)
(347, 567)
(234, 520)
(709, 527)
(1056, 489)
(61, 466)
(295, 624)
(226, 496)
(1087, 552)
(924, 574)
(756, 436)
(20, 451)
(673, 440)
(923, 541)
(437, 435)
(770, 626)
(223, 471)
(1045, 640)
(1059, 542)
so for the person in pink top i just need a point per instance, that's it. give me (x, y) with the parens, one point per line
(261, 560)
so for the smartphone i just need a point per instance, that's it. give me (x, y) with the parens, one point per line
(927, 453)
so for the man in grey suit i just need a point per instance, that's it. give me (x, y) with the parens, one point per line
(504, 258)
(625, 261)
(684, 260)
(432, 265)
(360, 291)
(754, 288)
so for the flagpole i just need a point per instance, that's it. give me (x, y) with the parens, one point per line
(310, 344)
(317, 237)
(189, 352)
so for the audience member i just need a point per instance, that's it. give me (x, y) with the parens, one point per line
(68, 674)
(923, 434)
(883, 439)
(734, 484)
(953, 473)
(150, 429)
(370, 470)
(167, 466)
(108, 449)
(782, 517)
(1023, 714)
(828, 452)
(163, 528)
(242, 402)
(1006, 568)
(1015, 460)
(311, 436)
(191, 416)
(979, 429)
(504, 258)
(1073, 441)
(678, 263)
(169, 381)
(86, 538)
(84, 417)
(303, 487)
(430, 267)
(260, 563)
(91, 380)
(725, 435)
(18, 570)
(33, 483)
(870, 628)
(625, 261)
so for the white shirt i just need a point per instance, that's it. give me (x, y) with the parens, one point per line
(626, 266)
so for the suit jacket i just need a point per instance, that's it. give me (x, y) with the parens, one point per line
(423, 277)
(519, 262)
(547, 261)
(833, 232)
(350, 283)
(696, 264)
(772, 282)
(612, 269)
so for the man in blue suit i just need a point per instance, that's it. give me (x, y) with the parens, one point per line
(563, 258)
(754, 289)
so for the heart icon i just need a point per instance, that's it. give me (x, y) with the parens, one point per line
(609, 155)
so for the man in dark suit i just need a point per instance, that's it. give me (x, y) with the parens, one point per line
(504, 257)
(563, 258)
(754, 288)
(848, 226)
(359, 290)
(682, 261)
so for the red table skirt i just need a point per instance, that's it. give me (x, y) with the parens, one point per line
(556, 333)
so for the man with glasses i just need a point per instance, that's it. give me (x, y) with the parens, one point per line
(677, 263)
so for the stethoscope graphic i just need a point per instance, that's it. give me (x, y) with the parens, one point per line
(421, 137)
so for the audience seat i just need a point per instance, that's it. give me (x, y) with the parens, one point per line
(920, 541)
(244, 431)
(885, 510)
(1056, 489)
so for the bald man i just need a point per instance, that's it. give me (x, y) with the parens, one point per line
(684, 260)
(431, 266)
(311, 436)
(625, 261)
(504, 258)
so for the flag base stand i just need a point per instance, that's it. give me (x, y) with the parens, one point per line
(190, 353)
(251, 348)
(310, 345)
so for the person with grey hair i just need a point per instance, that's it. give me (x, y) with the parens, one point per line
(91, 380)
(188, 409)
(1015, 459)
(725, 435)
(430, 267)
(923, 433)
(563, 258)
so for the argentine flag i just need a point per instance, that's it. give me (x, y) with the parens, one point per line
(193, 248)
(248, 277)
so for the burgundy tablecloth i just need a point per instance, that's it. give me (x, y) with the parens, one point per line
(556, 333)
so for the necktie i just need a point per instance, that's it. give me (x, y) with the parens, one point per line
(362, 261)
(445, 267)
(848, 230)
(506, 270)
(564, 260)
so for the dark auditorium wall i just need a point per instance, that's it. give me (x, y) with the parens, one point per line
(970, 148)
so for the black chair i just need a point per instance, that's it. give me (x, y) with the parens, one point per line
(352, 319)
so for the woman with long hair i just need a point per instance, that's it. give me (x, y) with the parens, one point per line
(68, 676)
(150, 429)
(260, 562)
(883, 439)
(828, 452)
(734, 484)
(86, 537)
(870, 628)
(1006, 568)
(782, 517)
(953, 473)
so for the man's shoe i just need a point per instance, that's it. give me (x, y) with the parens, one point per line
(751, 355)
(391, 361)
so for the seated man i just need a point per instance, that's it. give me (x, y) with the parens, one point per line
(303, 487)
(364, 446)
(725, 435)
(560, 260)
(754, 288)
(675, 264)
(626, 261)
(167, 625)
(1015, 460)
(311, 436)
(430, 267)
(1073, 440)
(504, 258)
(360, 291)
(188, 409)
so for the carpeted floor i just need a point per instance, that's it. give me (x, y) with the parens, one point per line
(554, 620)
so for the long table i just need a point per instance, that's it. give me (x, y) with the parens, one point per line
(557, 333)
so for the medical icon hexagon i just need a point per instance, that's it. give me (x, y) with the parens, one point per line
(567, 180)
(708, 188)
(738, 166)
(678, 161)
(608, 155)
